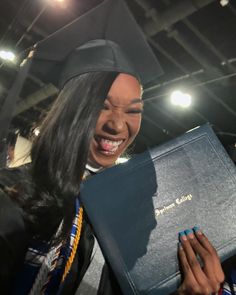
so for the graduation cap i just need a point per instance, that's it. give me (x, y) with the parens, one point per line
(107, 38)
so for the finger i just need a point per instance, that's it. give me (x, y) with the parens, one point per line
(188, 277)
(192, 260)
(211, 260)
(186, 269)
(209, 267)
(197, 247)
(206, 257)
(203, 240)
(208, 277)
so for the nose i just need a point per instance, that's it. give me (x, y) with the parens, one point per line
(115, 123)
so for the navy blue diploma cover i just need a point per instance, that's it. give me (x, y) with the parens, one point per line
(138, 208)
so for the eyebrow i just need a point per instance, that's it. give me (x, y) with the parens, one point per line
(133, 101)
(136, 100)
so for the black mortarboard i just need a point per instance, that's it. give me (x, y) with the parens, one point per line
(107, 38)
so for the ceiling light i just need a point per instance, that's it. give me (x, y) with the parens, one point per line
(178, 98)
(224, 2)
(7, 55)
(61, 3)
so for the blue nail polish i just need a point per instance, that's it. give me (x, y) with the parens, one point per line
(188, 231)
(196, 228)
(182, 233)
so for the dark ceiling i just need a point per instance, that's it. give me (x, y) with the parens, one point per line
(194, 40)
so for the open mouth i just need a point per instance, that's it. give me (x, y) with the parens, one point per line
(108, 146)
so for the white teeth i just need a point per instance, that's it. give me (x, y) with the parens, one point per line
(112, 142)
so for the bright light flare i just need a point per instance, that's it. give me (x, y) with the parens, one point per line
(178, 98)
(224, 2)
(61, 3)
(36, 131)
(7, 55)
(122, 160)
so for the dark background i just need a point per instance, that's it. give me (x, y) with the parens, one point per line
(195, 42)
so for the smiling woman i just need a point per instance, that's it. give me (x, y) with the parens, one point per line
(118, 123)
(41, 210)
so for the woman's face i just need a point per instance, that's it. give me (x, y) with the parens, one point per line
(118, 123)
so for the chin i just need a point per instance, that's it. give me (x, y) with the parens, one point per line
(100, 160)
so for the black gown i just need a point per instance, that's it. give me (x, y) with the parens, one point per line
(14, 241)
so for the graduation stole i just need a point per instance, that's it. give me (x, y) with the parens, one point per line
(74, 244)
(46, 267)
(57, 263)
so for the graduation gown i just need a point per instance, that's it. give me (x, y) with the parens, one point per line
(14, 241)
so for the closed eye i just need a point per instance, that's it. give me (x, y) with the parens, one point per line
(135, 111)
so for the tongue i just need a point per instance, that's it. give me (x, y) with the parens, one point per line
(106, 146)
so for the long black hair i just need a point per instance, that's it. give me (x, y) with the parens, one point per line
(59, 154)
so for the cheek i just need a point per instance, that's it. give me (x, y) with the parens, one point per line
(134, 127)
(100, 122)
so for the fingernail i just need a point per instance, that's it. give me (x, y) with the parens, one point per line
(197, 230)
(189, 233)
(182, 236)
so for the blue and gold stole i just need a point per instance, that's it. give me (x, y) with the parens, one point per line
(46, 268)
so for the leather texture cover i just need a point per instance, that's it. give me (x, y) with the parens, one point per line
(138, 208)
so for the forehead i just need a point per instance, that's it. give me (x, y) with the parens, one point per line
(125, 89)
